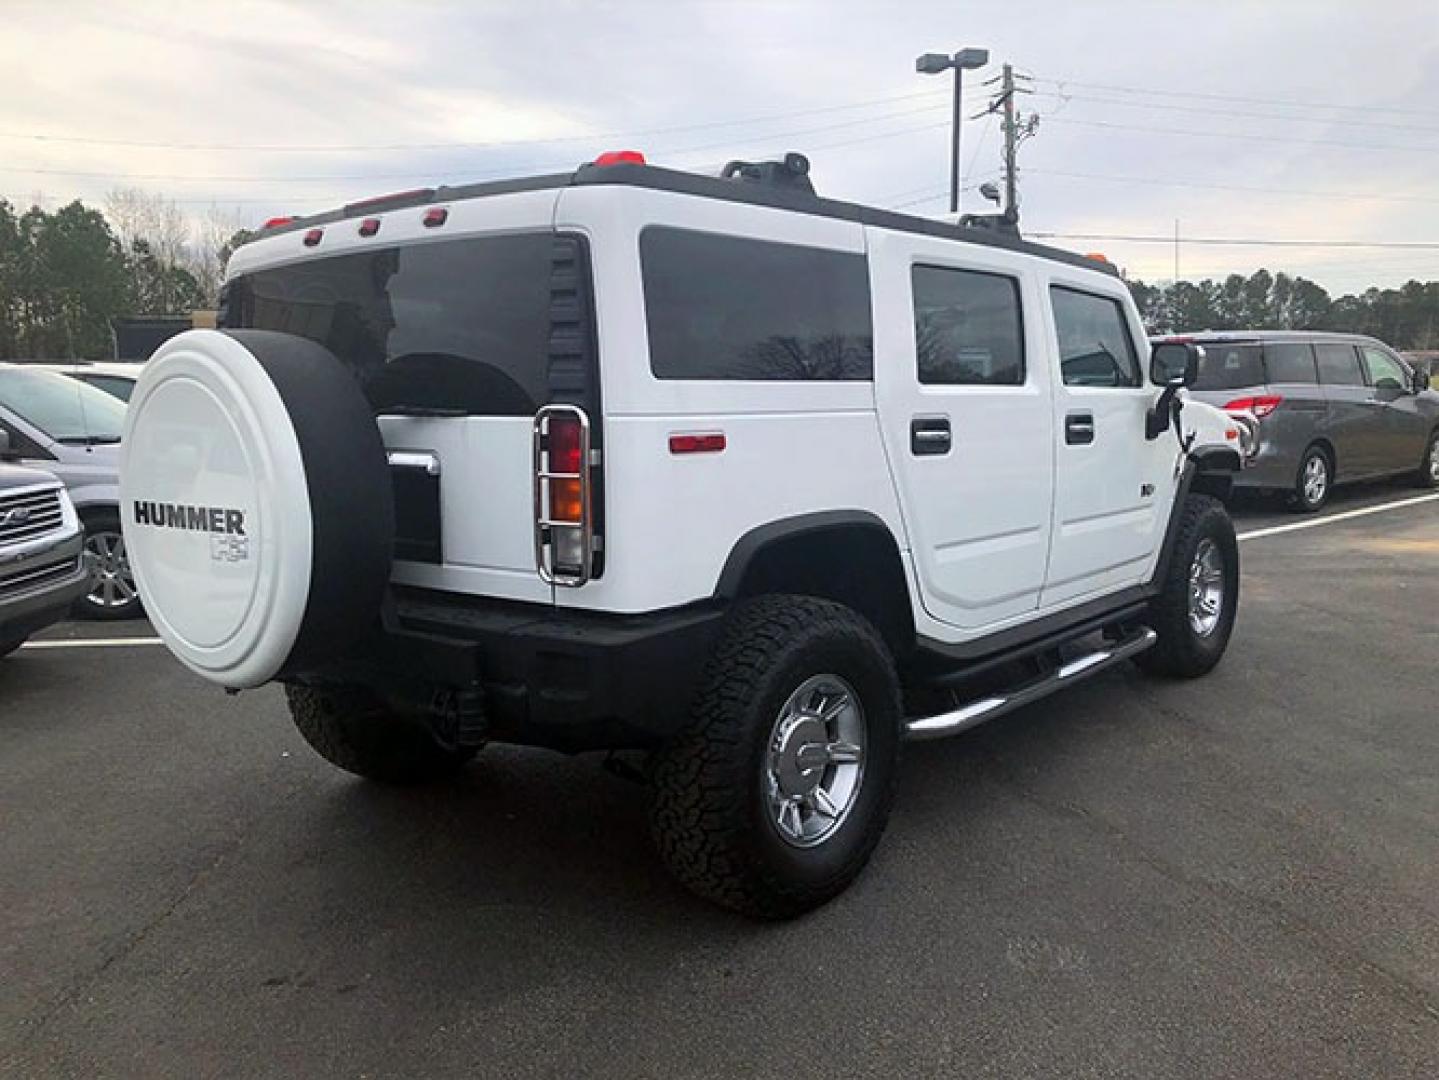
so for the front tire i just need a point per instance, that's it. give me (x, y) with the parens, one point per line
(353, 729)
(1313, 481)
(1428, 475)
(1195, 610)
(772, 804)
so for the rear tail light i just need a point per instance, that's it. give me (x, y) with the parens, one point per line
(564, 522)
(1261, 406)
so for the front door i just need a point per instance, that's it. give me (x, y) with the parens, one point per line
(1113, 487)
(964, 399)
(1405, 436)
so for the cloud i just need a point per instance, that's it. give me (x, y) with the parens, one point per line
(544, 85)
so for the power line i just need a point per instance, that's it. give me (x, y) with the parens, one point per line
(487, 144)
(1280, 103)
(728, 144)
(1399, 245)
(1235, 187)
(1233, 112)
(1237, 135)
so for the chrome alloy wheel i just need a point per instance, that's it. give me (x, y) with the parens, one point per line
(1206, 588)
(1316, 479)
(112, 586)
(815, 761)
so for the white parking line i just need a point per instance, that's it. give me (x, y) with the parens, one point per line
(1328, 519)
(94, 643)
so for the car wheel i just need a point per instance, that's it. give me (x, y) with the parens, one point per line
(353, 729)
(1199, 598)
(112, 592)
(1428, 476)
(1313, 481)
(772, 804)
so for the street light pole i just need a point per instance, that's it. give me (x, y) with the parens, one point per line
(935, 64)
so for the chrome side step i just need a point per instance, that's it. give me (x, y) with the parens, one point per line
(1077, 670)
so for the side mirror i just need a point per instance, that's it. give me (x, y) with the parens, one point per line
(1421, 379)
(1174, 362)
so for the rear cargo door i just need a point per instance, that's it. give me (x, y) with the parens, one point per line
(452, 331)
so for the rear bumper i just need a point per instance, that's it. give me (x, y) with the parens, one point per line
(40, 582)
(544, 676)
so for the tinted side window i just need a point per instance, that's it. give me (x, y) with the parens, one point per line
(967, 327)
(1290, 362)
(1338, 364)
(1229, 367)
(1384, 371)
(726, 307)
(1095, 348)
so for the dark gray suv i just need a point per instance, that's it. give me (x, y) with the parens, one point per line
(1331, 408)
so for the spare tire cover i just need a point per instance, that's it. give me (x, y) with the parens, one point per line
(256, 504)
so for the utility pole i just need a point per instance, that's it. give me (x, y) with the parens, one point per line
(1015, 128)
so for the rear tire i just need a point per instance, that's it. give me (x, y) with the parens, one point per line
(775, 800)
(1195, 611)
(1428, 475)
(350, 727)
(1313, 481)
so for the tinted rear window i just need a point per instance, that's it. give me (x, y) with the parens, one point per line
(1290, 362)
(725, 307)
(1338, 364)
(456, 325)
(1229, 367)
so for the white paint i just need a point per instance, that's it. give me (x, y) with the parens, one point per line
(1329, 519)
(96, 643)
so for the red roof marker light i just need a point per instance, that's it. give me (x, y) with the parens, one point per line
(620, 157)
(435, 217)
(276, 222)
(369, 226)
(312, 238)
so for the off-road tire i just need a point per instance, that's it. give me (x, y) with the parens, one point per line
(1298, 500)
(1182, 652)
(1426, 477)
(351, 728)
(709, 812)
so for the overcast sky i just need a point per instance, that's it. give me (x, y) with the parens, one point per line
(1322, 117)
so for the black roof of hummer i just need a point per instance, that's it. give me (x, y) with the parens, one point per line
(710, 187)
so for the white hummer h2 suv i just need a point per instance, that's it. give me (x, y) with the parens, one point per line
(635, 459)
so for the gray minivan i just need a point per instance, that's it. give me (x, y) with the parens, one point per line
(1331, 408)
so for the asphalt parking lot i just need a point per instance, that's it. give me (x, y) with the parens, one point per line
(1232, 877)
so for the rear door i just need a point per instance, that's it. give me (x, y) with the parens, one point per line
(1113, 487)
(451, 331)
(964, 395)
(1356, 419)
(1406, 430)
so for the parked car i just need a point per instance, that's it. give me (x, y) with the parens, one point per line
(42, 558)
(1331, 408)
(71, 429)
(631, 458)
(116, 379)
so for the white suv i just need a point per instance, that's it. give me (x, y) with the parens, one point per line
(630, 458)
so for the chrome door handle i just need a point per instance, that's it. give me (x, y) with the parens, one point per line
(1079, 429)
(930, 436)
